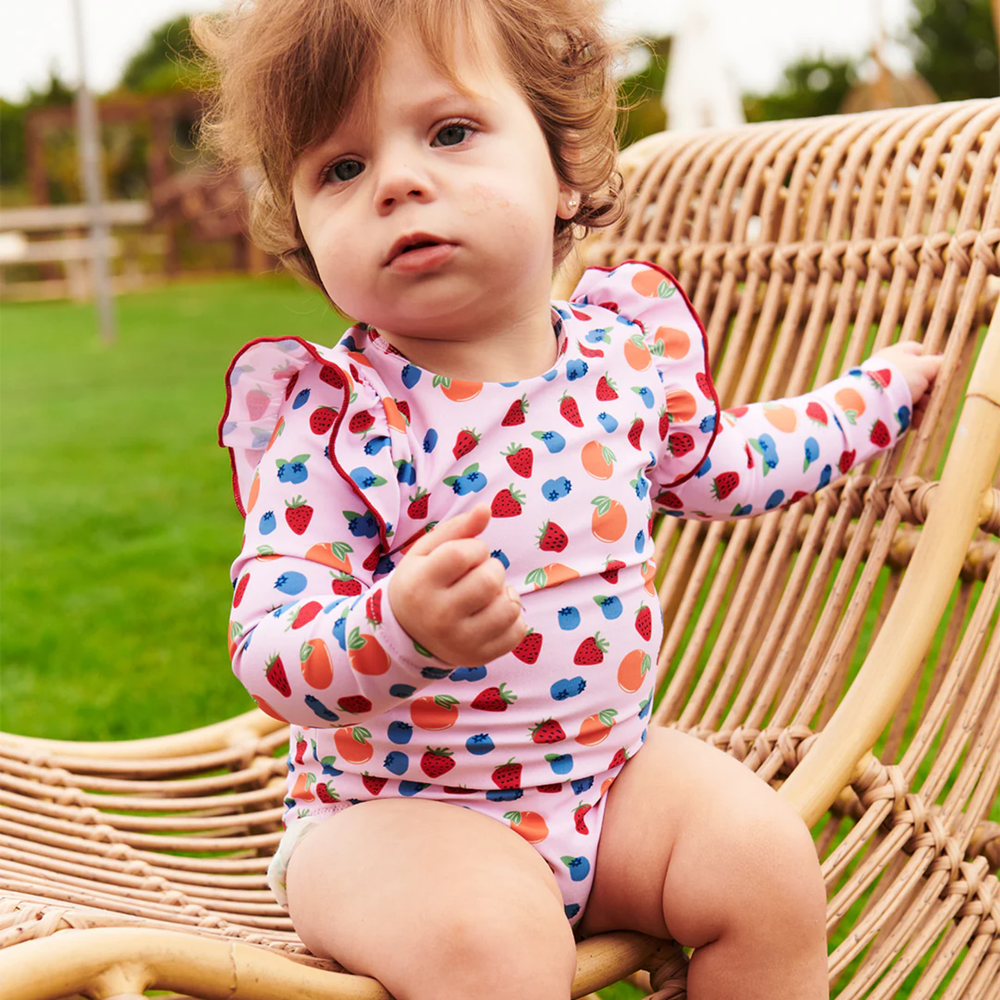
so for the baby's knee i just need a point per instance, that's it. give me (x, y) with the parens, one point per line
(512, 947)
(786, 880)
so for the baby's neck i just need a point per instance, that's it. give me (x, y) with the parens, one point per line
(517, 351)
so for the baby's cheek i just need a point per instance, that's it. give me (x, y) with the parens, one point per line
(482, 198)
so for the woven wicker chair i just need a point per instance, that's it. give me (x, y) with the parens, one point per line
(136, 865)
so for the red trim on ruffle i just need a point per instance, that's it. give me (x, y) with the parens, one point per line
(331, 454)
(704, 344)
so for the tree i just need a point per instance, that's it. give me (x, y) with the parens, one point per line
(955, 48)
(165, 62)
(640, 94)
(12, 141)
(809, 87)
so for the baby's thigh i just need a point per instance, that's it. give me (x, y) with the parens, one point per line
(431, 899)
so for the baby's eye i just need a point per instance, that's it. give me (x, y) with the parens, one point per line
(345, 170)
(454, 134)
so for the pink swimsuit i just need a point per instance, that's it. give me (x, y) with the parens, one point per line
(344, 456)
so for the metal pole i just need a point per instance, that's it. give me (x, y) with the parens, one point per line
(89, 145)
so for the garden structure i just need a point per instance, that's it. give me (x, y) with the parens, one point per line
(845, 649)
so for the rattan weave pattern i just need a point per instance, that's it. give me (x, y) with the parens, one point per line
(845, 649)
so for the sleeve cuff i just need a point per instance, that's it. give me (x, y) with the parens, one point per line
(401, 646)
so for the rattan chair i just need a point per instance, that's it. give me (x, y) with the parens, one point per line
(846, 649)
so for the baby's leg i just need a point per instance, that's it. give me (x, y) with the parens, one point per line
(695, 847)
(435, 901)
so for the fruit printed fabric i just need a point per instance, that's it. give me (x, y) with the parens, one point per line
(342, 457)
(746, 460)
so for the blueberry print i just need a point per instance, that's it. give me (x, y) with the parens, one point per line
(572, 465)
(812, 452)
(552, 440)
(556, 489)
(569, 618)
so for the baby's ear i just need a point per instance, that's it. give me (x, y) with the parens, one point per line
(569, 203)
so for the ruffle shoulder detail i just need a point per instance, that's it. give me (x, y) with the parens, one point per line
(345, 402)
(650, 297)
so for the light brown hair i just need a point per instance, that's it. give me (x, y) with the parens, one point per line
(288, 72)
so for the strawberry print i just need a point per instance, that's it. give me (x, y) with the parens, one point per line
(494, 699)
(418, 505)
(552, 538)
(467, 440)
(569, 410)
(591, 650)
(528, 649)
(549, 731)
(724, 484)
(879, 435)
(573, 464)
(434, 763)
(361, 423)
(520, 459)
(516, 413)
(298, 514)
(644, 622)
(276, 675)
(606, 389)
(507, 503)
(257, 402)
(635, 433)
(321, 419)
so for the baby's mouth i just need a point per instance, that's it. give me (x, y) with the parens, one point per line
(415, 241)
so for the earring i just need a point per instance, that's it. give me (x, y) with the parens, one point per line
(573, 203)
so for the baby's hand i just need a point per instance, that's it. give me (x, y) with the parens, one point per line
(452, 596)
(919, 369)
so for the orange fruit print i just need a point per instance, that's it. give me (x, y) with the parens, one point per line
(637, 353)
(434, 713)
(352, 744)
(676, 343)
(267, 709)
(650, 283)
(598, 460)
(365, 654)
(681, 405)
(529, 825)
(458, 390)
(609, 520)
(633, 669)
(782, 418)
(254, 491)
(595, 728)
(851, 401)
(332, 554)
(317, 668)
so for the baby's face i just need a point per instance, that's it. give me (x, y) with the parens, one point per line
(472, 175)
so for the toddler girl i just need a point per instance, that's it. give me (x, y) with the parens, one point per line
(446, 585)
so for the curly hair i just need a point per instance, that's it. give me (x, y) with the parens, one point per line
(286, 73)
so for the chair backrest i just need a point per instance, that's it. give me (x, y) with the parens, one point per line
(847, 649)
(805, 246)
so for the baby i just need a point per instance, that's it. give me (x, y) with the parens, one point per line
(446, 584)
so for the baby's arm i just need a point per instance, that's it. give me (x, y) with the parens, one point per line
(769, 455)
(313, 641)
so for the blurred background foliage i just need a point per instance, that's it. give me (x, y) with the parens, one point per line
(952, 43)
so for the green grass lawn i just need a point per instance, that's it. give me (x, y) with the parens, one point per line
(118, 523)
